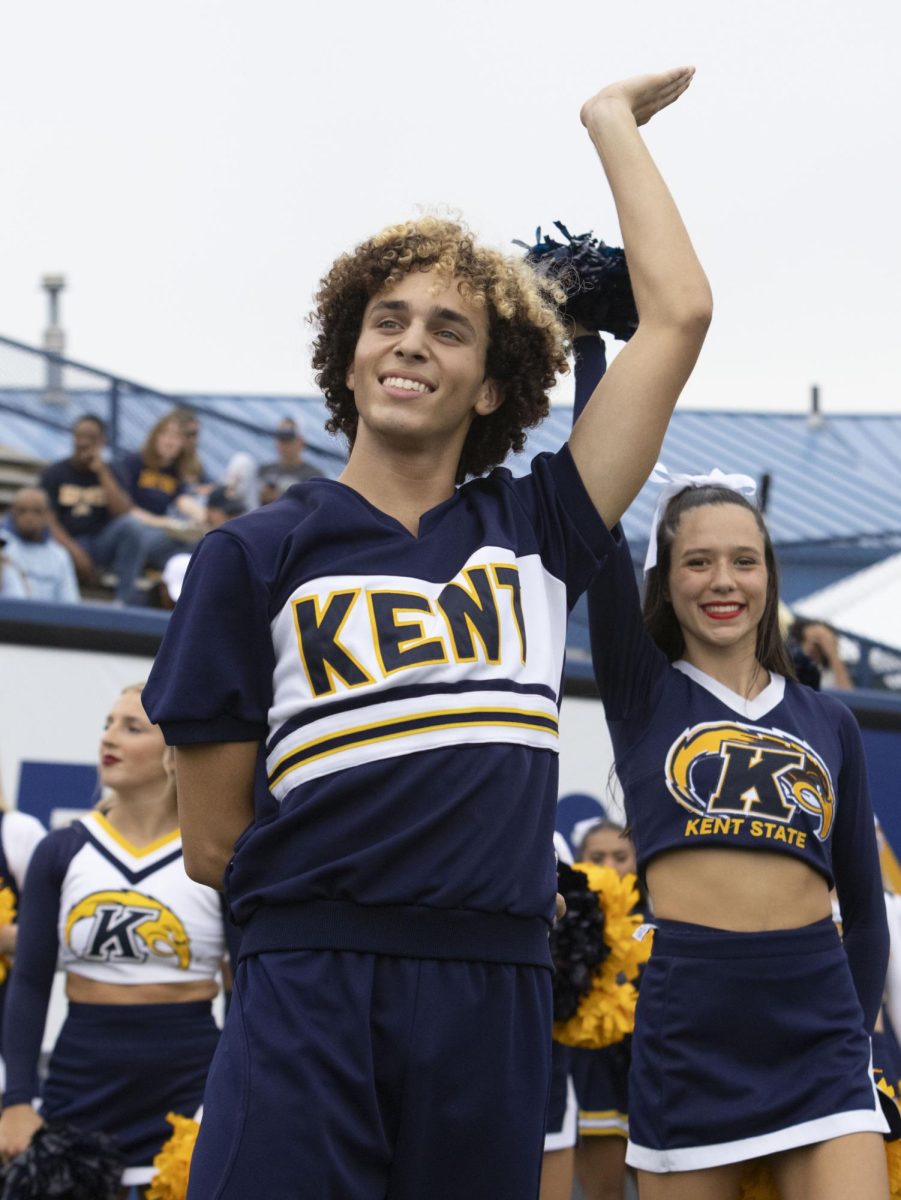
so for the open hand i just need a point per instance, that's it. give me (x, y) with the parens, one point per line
(644, 95)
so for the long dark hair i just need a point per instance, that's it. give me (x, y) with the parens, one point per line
(659, 617)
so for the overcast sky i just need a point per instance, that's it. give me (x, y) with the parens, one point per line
(193, 167)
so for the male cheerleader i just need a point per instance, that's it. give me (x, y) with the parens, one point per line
(362, 682)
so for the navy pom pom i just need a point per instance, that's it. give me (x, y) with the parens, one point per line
(64, 1163)
(577, 941)
(594, 276)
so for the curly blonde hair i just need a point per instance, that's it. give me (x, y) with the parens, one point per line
(527, 339)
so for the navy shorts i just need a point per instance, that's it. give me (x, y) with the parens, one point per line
(601, 1078)
(119, 1068)
(746, 1044)
(345, 1075)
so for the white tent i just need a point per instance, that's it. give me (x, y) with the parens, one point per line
(867, 603)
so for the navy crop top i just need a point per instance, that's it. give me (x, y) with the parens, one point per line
(702, 766)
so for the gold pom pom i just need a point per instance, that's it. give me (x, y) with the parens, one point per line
(7, 917)
(607, 1014)
(173, 1163)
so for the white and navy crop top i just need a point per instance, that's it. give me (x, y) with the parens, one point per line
(109, 911)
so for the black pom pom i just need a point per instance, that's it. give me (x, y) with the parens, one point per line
(577, 942)
(594, 276)
(64, 1163)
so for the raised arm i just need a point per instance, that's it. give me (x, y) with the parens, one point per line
(616, 441)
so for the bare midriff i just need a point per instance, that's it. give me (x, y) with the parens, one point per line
(741, 890)
(91, 991)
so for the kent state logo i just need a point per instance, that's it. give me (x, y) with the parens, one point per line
(126, 927)
(727, 769)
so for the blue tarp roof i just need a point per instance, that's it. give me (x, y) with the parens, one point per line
(838, 481)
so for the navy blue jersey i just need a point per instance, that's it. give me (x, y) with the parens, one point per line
(700, 765)
(405, 688)
(151, 489)
(77, 497)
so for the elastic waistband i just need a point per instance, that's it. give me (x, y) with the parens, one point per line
(702, 941)
(128, 1014)
(401, 930)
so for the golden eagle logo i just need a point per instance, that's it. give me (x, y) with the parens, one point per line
(128, 926)
(725, 767)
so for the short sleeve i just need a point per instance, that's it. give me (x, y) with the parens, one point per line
(212, 678)
(49, 481)
(626, 661)
(572, 538)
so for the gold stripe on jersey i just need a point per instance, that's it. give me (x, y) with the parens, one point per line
(134, 851)
(409, 724)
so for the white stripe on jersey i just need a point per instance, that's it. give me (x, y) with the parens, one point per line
(384, 730)
(499, 621)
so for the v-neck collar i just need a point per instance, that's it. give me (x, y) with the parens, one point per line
(763, 702)
(386, 519)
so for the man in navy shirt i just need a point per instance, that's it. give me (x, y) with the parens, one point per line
(91, 515)
(362, 683)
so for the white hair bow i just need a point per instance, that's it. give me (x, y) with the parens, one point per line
(673, 483)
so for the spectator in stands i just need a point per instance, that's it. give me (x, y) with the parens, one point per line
(47, 569)
(819, 642)
(162, 502)
(90, 513)
(276, 477)
(191, 469)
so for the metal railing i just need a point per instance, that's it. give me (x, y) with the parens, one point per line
(42, 394)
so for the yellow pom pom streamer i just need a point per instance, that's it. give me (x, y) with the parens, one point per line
(174, 1160)
(607, 1014)
(7, 917)
(757, 1183)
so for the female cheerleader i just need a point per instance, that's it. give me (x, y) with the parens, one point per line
(746, 796)
(141, 945)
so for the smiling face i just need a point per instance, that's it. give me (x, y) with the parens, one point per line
(418, 371)
(718, 580)
(132, 751)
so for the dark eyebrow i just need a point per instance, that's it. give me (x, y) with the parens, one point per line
(733, 550)
(440, 314)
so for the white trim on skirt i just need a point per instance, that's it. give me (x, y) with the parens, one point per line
(694, 1158)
